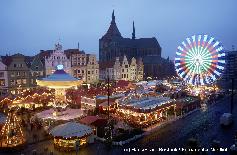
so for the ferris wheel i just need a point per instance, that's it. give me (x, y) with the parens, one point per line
(200, 60)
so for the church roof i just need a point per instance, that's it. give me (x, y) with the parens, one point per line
(137, 43)
(154, 59)
(113, 31)
(113, 34)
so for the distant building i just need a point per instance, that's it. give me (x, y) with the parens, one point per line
(157, 67)
(3, 78)
(18, 73)
(113, 45)
(57, 57)
(37, 69)
(75, 62)
(86, 67)
(230, 71)
(122, 69)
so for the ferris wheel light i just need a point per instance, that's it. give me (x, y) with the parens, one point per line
(200, 63)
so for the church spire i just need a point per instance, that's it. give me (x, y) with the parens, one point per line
(113, 18)
(113, 30)
(133, 31)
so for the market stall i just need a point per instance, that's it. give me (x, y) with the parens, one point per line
(67, 135)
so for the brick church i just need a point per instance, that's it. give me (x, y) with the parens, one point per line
(113, 45)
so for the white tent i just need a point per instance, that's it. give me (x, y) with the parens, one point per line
(71, 129)
(67, 114)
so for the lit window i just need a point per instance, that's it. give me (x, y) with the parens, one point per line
(24, 81)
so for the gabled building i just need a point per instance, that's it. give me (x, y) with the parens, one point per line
(57, 57)
(37, 69)
(122, 69)
(18, 73)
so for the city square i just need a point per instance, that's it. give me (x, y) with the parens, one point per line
(127, 95)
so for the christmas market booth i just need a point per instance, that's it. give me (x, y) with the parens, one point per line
(145, 110)
(67, 135)
(187, 104)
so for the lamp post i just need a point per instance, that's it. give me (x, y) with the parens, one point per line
(108, 94)
(108, 128)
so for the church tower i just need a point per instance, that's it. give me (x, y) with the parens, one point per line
(111, 34)
(133, 31)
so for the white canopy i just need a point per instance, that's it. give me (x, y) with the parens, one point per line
(71, 129)
(67, 114)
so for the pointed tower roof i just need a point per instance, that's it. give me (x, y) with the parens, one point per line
(133, 31)
(113, 30)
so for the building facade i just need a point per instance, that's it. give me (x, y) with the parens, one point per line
(3, 78)
(230, 71)
(86, 67)
(57, 57)
(37, 70)
(122, 69)
(18, 73)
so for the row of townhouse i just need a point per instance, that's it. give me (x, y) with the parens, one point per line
(18, 72)
(122, 69)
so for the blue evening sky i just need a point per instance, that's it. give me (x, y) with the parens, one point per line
(26, 26)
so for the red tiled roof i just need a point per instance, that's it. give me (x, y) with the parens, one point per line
(122, 83)
(89, 119)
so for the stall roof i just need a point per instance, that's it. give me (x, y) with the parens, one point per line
(67, 114)
(147, 102)
(71, 129)
(88, 120)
